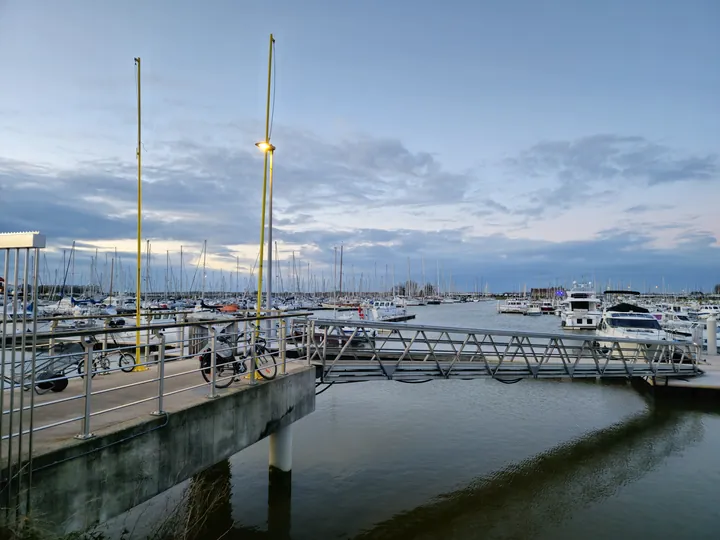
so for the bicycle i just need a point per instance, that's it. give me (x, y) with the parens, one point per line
(103, 360)
(229, 366)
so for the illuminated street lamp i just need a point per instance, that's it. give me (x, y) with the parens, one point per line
(269, 151)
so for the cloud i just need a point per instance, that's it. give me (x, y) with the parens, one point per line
(420, 210)
(597, 168)
(614, 157)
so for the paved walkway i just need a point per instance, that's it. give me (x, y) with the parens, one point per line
(116, 390)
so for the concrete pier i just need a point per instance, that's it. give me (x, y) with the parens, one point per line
(77, 484)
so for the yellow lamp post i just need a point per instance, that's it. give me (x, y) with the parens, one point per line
(268, 151)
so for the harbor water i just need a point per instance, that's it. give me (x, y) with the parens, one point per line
(474, 459)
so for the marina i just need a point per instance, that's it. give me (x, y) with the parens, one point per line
(472, 292)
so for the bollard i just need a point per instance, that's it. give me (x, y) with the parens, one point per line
(213, 363)
(161, 377)
(88, 390)
(712, 336)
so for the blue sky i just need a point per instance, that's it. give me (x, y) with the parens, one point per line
(519, 142)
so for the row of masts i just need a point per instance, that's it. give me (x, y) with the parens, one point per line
(114, 277)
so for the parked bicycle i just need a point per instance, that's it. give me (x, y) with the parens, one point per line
(103, 360)
(233, 353)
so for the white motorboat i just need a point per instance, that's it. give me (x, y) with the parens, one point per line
(513, 305)
(386, 310)
(630, 322)
(708, 310)
(581, 309)
(533, 309)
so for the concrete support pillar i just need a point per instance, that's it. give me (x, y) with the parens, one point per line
(280, 484)
(281, 449)
(712, 335)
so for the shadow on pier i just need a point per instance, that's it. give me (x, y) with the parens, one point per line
(515, 502)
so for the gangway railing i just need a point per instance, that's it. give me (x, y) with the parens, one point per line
(350, 350)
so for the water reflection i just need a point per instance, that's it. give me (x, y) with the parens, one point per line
(519, 501)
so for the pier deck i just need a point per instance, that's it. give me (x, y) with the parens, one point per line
(110, 391)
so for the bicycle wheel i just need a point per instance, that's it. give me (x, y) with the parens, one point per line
(81, 369)
(224, 376)
(126, 362)
(265, 363)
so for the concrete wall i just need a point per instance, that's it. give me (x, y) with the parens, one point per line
(91, 481)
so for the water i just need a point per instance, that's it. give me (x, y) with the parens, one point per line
(479, 459)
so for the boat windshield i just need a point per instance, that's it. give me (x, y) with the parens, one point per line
(683, 318)
(651, 324)
(580, 305)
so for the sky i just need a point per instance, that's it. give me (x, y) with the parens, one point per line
(502, 144)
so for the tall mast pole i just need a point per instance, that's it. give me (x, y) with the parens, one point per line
(138, 276)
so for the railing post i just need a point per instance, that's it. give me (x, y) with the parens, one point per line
(213, 362)
(147, 344)
(161, 377)
(105, 346)
(86, 434)
(253, 358)
(186, 347)
(324, 344)
(283, 352)
(53, 327)
(245, 327)
(234, 331)
(311, 339)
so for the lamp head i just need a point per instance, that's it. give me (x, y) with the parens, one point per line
(265, 146)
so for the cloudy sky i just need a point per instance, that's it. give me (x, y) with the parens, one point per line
(507, 143)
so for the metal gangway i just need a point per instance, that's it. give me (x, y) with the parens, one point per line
(350, 350)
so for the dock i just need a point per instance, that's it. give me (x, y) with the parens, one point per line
(709, 382)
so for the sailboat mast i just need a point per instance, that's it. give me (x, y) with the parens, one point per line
(204, 268)
(335, 275)
(167, 274)
(112, 275)
(407, 288)
(341, 269)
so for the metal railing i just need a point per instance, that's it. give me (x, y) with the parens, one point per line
(76, 382)
(361, 351)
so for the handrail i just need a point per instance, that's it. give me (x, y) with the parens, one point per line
(160, 326)
(485, 331)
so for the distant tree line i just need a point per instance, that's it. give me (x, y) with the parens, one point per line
(412, 288)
